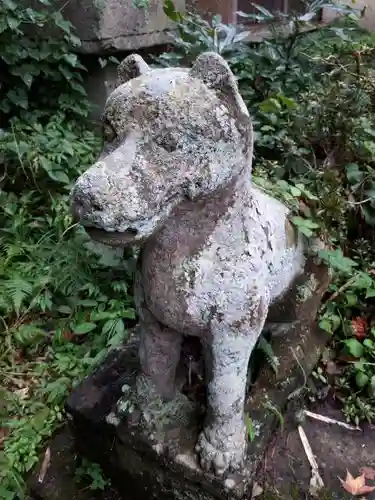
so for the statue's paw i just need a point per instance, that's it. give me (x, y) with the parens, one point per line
(216, 460)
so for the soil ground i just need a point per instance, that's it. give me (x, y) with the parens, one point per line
(286, 470)
(285, 473)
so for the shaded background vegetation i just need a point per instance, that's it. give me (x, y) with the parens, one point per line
(65, 302)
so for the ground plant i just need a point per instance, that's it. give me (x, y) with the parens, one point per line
(64, 302)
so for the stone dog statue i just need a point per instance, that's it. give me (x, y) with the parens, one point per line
(175, 177)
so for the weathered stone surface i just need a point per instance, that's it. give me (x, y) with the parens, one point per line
(218, 255)
(117, 25)
(154, 457)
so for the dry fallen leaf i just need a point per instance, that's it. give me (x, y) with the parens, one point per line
(3, 435)
(45, 465)
(368, 472)
(316, 482)
(356, 486)
(359, 327)
(68, 335)
(257, 490)
(22, 393)
(329, 420)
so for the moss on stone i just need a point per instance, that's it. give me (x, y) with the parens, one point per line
(308, 289)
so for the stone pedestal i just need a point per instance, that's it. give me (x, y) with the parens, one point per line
(151, 456)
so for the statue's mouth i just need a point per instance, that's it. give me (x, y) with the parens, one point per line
(114, 238)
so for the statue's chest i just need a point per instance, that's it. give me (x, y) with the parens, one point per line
(189, 256)
(186, 278)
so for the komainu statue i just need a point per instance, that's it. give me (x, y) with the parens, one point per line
(174, 177)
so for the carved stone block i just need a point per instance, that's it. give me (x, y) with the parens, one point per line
(118, 25)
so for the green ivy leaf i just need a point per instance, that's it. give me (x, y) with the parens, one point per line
(109, 326)
(13, 22)
(369, 213)
(87, 303)
(128, 313)
(28, 79)
(368, 343)
(355, 348)
(295, 191)
(353, 173)
(9, 4)
(72, 59)
(62, 23)
(363, 281)
(118, 334)
(100, 315)
(305, 226)
(369, 193)
(351, 299)
(361, 379)
(300, 221)
(45, 164)
(19, 97)
(337, 260)
(270, 105)
(64, 310)
(83, 328)
(170, 11)
(287, 101)
(59, 176)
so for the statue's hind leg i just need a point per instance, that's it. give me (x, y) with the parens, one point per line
(222, 443)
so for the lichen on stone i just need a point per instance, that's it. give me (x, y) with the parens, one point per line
(174, 177)
(307, 289)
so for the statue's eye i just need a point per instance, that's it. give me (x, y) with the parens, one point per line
(109, 133)
(167, 141)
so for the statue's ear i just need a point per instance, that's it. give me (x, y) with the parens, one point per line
(131, 67)
(213, 70)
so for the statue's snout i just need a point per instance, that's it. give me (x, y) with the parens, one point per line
(86, 201)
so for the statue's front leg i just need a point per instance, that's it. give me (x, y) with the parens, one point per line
(160, 349)
(222, 443)
(158, 398)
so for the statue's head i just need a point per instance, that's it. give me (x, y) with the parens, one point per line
(169, 135)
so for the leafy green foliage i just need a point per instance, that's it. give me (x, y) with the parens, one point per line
(39, 72)
(64, 300)
(265, 348)
(347, 316)
(91, 472)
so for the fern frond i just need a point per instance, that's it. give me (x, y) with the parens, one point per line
(17, 289)
(28, 334)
